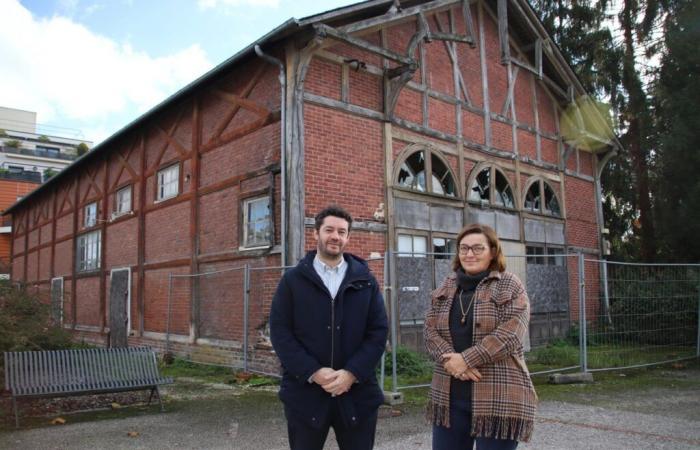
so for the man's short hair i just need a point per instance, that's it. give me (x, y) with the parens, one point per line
(335, 211)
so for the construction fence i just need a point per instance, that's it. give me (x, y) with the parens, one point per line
(586, 314)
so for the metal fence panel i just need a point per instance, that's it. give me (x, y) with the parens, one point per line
(640, 314)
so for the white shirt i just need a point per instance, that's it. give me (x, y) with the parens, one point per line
(332, 277)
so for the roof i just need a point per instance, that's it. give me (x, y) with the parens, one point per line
(292, 26)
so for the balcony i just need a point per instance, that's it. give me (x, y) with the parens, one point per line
(24, 175)
(39, 153)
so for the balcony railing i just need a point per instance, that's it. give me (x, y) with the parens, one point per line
(40, 153)
(26, 175)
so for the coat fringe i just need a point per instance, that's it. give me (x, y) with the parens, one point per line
(502, 428)
(437, 414)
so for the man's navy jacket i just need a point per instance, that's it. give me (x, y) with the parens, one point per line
(310, 330)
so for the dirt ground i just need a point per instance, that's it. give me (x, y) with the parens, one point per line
(662, 412)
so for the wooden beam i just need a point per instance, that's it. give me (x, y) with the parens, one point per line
(389, 18)
(104, 214)
(141, 236)
(503, 30)
(194, 217)
(484, 76)
(324, 31)
(468, 22)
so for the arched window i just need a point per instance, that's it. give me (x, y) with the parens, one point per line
(417, 164)
(490, 186)
(538, 190)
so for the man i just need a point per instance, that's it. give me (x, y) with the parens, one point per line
(328, 327)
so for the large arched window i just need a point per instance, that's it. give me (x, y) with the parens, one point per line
(539, 190)
(414, 167)
(490, 186)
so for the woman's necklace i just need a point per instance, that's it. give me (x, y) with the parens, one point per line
(461, 306)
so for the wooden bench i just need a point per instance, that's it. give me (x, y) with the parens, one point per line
(80, 372)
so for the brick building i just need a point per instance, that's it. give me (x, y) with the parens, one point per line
(352, 106)
(13, 186)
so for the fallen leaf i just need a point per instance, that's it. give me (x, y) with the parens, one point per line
(58, 421)
(132, 433)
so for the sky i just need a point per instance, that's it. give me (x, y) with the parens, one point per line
(90, 67)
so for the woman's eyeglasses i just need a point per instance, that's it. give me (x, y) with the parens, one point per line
(476, 249)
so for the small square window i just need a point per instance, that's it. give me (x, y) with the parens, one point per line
(122, 200)
(88, 251)
(90, 218)
(168, 182)
(257, 222)
(412, 246)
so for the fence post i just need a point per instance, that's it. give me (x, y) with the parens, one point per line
(167, 319)
(392, 303)
(582, 313)
(697, 347)
(606, 294)
(246, 303)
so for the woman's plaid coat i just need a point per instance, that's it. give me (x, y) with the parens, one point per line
(504, 401)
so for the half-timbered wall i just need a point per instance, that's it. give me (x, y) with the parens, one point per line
(225, 139)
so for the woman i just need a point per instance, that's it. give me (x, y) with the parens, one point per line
(481, 390)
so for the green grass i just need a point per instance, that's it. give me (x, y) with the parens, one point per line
(607, 385)
(561, 354)
(181, 368)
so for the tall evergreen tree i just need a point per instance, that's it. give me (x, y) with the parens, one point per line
(678, 94)
(611, 66)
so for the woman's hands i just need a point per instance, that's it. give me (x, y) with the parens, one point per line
(454, 365)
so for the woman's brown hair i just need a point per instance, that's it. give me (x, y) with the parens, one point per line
(498, 262)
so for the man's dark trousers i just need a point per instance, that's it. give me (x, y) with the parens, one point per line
(304, 437)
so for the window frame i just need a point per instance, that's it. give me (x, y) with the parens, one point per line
(429, 153)
(244, 221)
(494, 171)
(543, 209)
(87, 215)
(117, 212)
(164, 170)
(549, 255)
(84, 261)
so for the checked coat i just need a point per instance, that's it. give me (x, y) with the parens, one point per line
(504, 401)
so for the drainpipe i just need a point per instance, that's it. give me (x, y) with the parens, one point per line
(283, 150)
(601, 220)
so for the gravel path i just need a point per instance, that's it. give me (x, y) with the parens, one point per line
(253, 420)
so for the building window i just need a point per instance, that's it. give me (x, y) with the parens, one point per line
(534, 195)
(90, 217)
(545, 255)
(490, 186)
(168, 182)
(412, 246)
(257, 222)
(122, 201)
(413, 169)
(444, 248)
(88, 251)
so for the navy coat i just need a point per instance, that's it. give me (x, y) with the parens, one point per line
(310, 330)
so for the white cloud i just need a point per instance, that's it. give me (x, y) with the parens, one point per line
(207, 4)
(61, 69)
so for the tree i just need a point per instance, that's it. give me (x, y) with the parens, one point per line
(48, 173)
(612, 65)
(677, 94)
(81, 149)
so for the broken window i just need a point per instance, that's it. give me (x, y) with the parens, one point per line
(413, 170)
(490, 186)
(533, 199)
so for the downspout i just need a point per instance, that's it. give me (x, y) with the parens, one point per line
(283, 149)
(601, 220)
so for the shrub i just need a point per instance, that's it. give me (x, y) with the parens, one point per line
(25, 323)
(409, 363)
(81, 149)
